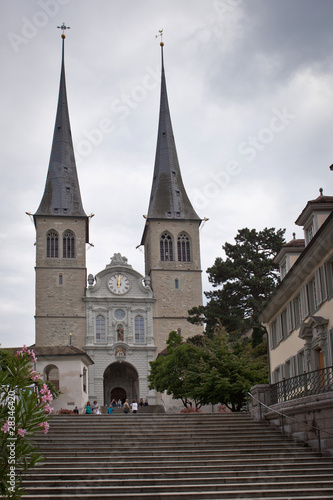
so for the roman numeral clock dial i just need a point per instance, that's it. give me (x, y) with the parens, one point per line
(119, 284)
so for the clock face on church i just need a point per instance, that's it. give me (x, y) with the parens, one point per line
(119, 284)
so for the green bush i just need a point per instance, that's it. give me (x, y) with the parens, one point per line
(24, 410)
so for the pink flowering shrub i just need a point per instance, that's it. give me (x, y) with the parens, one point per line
(223, 409)
(24, 410)
(65, 411)
(190, 409)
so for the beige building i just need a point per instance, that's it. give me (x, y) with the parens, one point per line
(299, 316)
(96, 337)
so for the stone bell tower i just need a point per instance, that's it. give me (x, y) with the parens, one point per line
(171, 237)
(62, 233)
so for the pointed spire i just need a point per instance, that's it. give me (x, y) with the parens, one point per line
(62, 192)
(168, 197)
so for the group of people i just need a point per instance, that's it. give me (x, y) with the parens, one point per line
(133, 407)
(116, 404)
(94, 408)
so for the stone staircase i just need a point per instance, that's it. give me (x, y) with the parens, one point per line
(154, 456)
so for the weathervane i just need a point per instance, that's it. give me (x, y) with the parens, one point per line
(161, 35)
(63, 27)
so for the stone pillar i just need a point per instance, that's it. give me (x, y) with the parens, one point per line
(261, 394)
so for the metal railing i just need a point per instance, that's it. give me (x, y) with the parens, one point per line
(307, 384)
(283, 416)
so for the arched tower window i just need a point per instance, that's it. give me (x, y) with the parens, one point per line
(52, 244)
(139, 327)
(100, 329)
(166, 247)
(68, 241)
(183, 248)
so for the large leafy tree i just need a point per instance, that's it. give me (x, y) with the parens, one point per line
(244, 281)
(207, 370)
(170, 371)
(227, 370)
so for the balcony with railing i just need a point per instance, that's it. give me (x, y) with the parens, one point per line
(307, 384)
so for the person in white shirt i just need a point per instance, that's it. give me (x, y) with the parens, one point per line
(134, 406)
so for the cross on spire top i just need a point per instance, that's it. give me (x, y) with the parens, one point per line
(63, 27)
(160, 34)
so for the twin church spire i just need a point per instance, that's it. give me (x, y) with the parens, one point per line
(168, 199)
(62, 192)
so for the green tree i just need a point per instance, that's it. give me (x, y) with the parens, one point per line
(209, 370)
(24, 410)
(245, 281)
(170, 371)
(227, 370)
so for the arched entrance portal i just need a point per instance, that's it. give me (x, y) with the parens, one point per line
(118, 393)
(121, 377)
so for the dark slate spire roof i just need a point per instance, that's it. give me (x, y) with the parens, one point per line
(62, 192)
(168, 199)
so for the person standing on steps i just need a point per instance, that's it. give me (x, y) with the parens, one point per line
(96, 409)
(134, 406)
(126, 407)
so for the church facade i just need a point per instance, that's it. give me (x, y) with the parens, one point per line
(120, 337)
(96, 335)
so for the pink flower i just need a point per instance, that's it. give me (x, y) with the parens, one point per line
(45, 425)
(6, 426)
(44, 389)
(46, 394)
(47, 398)
(34, 375)
(48, 408)
(21, 432)
(29, 352)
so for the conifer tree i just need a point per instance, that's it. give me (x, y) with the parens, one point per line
(244, 281)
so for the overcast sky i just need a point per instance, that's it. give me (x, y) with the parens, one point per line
(250, 87)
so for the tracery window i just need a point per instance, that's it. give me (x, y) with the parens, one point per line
(52, 244)
(139, 328)
(68, 240)
(166, 247)
(100, 329)
(183, 247)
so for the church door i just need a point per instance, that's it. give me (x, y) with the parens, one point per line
(118, 393)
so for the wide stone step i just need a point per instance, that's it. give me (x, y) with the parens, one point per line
(235, 470)
(180, 480)
(179, 448)
(262, 490)
(169, 457)
(222, 495)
